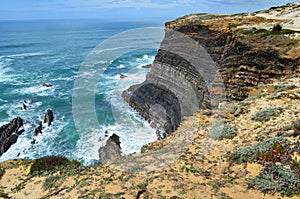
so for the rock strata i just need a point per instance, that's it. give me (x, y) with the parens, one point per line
(111, 150)
(9, 134)
(243, 58)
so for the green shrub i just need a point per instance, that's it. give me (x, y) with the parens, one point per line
(284, 87)
(277, 178)
(274, 96)
(250, 153)
(50, 163)
(266, 114)
(277, 28)
(296, 126)
(222, 132)
(52, 182)
(142, 185)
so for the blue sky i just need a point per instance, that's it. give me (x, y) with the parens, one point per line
(125, 9)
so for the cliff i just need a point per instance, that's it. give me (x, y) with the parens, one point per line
(216, 164)
(245, 148)
(205, 59)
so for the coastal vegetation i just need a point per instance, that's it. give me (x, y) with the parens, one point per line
(246, 147)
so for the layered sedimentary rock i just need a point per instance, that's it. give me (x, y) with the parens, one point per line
(205, 59)
(9, 134)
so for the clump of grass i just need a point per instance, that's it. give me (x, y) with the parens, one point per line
(142, 185)
(4, 195)
(220, 130)
(51, 163)
(274, 96)
(277, 178)
(256, 97)
(284, 87)
(52, 182)
(277, 28)
(251, 153)
(233, 109)
(266, 114)
(281, 168)
(296, 126)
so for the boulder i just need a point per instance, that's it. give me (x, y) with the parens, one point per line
(147, 66)
(111, 150)
(9, 134)
(47, 85)
(122, 76)
(49, 117)
(38, 130)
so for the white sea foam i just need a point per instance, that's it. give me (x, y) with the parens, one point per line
(121, 66)
(23, 55)
(63, 79)
(38, 90)
(44, 142)
(3, 101)
(4, 68)
(133, 130)
(146, 58)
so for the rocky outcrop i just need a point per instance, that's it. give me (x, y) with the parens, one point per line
(205, 59)
(48, 117)
(111, 150)
(9, 134)
(38, 130)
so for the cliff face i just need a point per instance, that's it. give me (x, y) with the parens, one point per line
(205, 58)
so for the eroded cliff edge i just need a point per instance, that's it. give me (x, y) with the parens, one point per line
(247, 50)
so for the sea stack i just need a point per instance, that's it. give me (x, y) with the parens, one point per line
(49, 117)
(111, 150)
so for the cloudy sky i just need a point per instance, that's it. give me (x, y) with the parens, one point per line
(125, 9)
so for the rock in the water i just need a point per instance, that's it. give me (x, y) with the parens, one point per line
(49, 117)
(24, 106)
(122, 76)
(147, 66)
(112, 149)
(9, 134)
(38, 130)
(47, 85)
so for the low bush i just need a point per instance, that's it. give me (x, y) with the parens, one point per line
(221, 131)
(281, 167)
(277, 28)
(265, 114)
(277, 178)
(251, 153)
(284, 87)
(50, 163)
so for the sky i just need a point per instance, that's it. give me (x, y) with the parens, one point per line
(125, 9)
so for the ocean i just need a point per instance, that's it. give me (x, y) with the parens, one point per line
(52, 52)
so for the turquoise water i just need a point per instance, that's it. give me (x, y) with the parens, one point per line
(37, 52)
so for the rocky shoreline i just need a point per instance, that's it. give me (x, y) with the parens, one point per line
(245, 147)
(10, 132)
